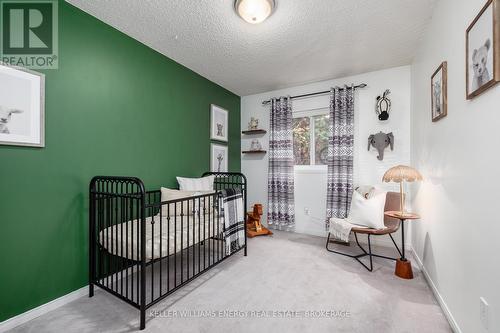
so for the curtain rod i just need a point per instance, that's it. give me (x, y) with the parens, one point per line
(362, 85)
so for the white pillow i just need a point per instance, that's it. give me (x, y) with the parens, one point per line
(168, 194)
(368, 212)
(196, 184)
(205, 204)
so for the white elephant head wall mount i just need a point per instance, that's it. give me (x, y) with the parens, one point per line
(380, 141)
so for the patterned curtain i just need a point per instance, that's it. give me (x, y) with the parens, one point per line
(280, 213)
(340, 153)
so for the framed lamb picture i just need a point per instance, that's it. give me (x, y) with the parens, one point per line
(439, 92)
(218, 123)
(218, 158)
(483, 50)
(21, 107)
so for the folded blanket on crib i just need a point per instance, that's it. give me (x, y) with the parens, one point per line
(234, 218)
(340, 229)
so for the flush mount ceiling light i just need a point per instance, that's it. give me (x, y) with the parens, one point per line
(254, 11)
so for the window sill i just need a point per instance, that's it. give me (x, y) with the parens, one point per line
(310, 169)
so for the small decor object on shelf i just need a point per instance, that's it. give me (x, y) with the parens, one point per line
(255, 145)
(22, 107)
(253, 124)
(383, 105)
(380, 141)
(254, 227)
(218, 123)
(218, 158)
(483, 50)
(439, 89)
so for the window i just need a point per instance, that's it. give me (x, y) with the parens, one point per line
(310, 139)
(302, 140)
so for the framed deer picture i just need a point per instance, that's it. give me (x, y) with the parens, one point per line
(218, 158)
(21, 107)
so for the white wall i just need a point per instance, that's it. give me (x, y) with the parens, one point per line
(458, 236)
(310, 184)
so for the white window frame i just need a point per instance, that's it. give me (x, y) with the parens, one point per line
(312, 124)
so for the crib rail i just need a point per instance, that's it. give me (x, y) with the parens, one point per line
(116, 200)
(142, 249)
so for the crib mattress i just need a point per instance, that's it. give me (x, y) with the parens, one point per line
(173, 236)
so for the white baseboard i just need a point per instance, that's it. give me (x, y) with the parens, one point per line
(43, 309)
(437, 295)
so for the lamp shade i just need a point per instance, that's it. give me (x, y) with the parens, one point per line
(401, 173)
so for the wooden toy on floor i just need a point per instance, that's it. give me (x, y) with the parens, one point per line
(254, 227)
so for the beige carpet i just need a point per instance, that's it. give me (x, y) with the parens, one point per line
(288, 283)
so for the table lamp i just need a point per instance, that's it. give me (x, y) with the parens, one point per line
(399, 174)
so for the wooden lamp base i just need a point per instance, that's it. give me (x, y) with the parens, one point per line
(403, 269)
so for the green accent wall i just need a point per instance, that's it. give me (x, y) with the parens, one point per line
(114, 107)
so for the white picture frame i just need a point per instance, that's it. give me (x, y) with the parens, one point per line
(218, 158)
(218, 123)
(22, 107)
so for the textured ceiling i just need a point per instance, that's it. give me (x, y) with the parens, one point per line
(303, 41)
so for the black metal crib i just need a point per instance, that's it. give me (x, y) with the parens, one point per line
(129, 254)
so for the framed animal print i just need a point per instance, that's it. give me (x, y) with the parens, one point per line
(483, 50)
(21, 107)
(218, 158)
(439, 92)
(218, 123)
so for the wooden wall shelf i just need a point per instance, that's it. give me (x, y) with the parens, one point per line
(257, 131)
(254, 151)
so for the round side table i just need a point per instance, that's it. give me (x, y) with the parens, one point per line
(403, 265)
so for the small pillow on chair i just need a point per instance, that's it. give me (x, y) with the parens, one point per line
(367, 212)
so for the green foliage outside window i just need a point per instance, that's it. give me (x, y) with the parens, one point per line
(302, 140)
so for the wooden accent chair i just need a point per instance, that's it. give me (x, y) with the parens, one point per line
(392, 225)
